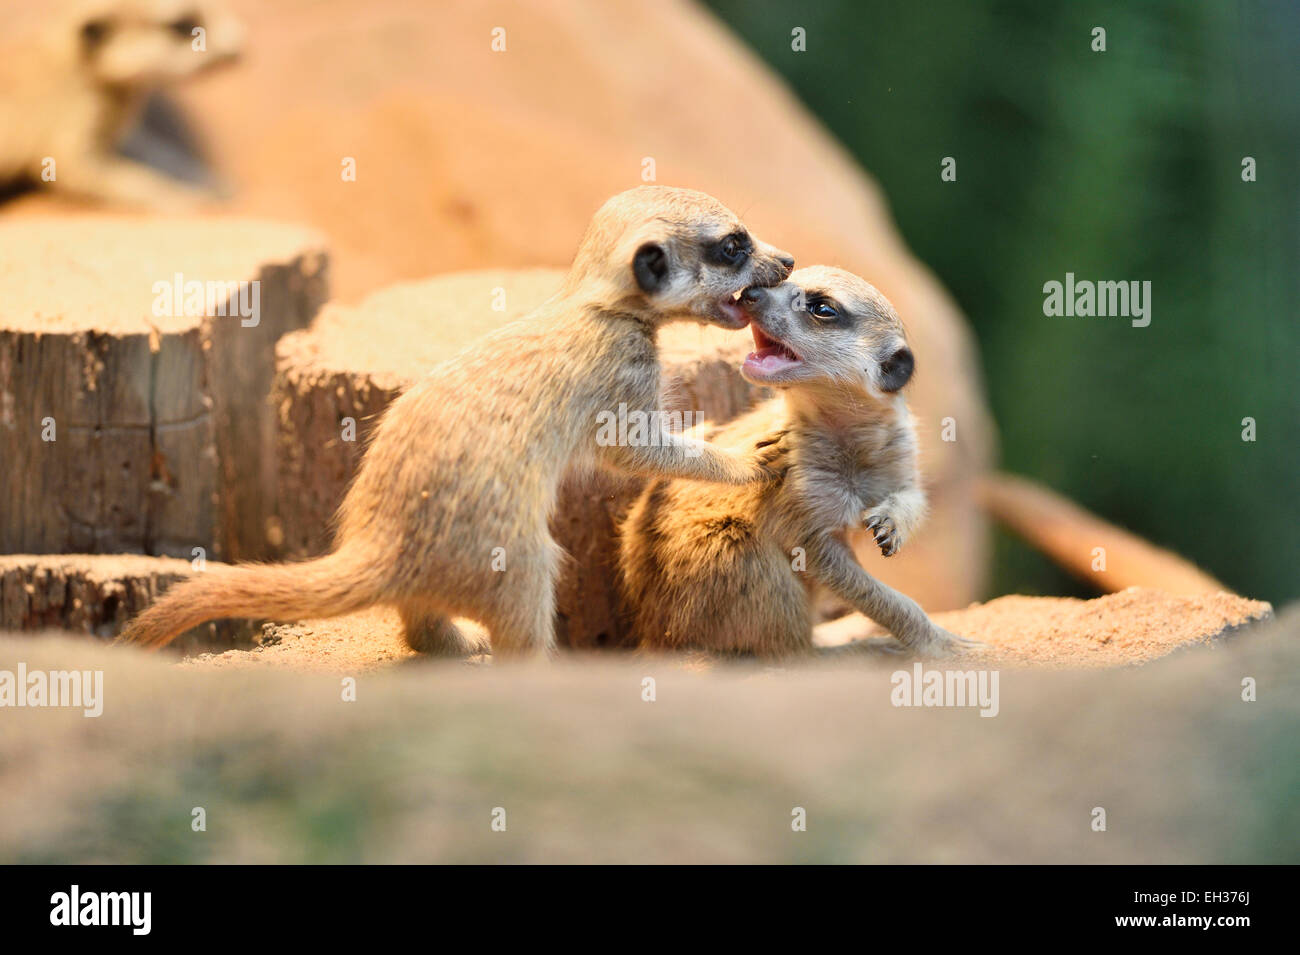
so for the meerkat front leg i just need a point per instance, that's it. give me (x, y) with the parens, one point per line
(116, 179)
(894, 519)
(680, 456)
(831, 561)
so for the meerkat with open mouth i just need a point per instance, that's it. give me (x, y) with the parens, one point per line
(449, 512)
(732, 569)
(71, 92)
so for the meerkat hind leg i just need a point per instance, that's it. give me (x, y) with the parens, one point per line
(526, 629)
(434, 634)
(522, 624)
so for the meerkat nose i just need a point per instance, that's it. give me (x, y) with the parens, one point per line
(751, 295)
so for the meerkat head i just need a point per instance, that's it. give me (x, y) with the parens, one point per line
(670, 254)
(826, 325)
(141, 45)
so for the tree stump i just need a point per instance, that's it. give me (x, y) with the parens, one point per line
(133, 414)
(99, 594)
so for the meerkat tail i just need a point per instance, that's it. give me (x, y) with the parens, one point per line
(1069, 535)
(329, 586)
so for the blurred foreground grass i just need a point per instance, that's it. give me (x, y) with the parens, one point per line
(709, 772)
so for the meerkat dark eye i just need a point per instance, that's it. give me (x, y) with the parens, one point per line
(94, 32)
(732, 250)
(184, 26)
(826, 310)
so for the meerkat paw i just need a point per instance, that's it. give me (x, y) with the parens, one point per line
(889, 536)
(440, 637)
(938, 642)
(865, 646)
(771, 456)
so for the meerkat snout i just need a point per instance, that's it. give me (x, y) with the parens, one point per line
(687, 257)
(826, 325)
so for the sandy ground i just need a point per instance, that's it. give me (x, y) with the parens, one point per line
(1131, 627)
(1187, 765)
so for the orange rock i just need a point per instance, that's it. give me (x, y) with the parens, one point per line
(469, 158)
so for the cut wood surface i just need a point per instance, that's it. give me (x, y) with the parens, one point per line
(131, 422)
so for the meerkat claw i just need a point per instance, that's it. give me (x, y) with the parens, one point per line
(885, 532)
(938, 642)
(769, 455)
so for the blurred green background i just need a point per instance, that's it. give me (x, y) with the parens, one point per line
(1116, 165)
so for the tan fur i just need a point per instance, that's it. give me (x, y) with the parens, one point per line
(71, 91)
(448, 515)
(732, 569)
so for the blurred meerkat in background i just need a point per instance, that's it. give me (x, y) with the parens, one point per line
(74, 88)
(732, 569)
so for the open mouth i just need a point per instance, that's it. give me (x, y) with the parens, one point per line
(770, 357)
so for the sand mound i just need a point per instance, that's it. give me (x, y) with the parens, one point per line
(1131, 627)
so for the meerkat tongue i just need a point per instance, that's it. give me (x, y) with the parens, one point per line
(769, 355)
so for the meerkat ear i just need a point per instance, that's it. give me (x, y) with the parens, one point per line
(897, 369)
(650, 265)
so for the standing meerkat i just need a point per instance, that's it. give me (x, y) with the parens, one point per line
(70, 93)
(733, 569)
(449, 512)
